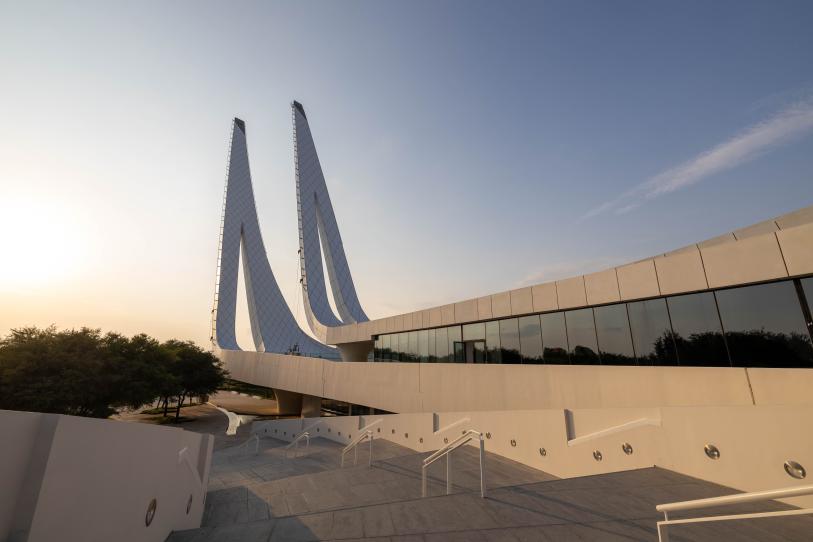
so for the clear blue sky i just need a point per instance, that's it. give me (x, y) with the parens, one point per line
(469, 147)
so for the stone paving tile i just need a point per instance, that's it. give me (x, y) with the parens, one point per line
(377, 521)
(347, 524)
(277, 506)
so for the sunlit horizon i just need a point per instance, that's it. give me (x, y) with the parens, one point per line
(464, 156)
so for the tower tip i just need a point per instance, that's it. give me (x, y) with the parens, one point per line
(240, 124)
(301, 109)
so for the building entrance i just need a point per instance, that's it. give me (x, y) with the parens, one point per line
(470, 352)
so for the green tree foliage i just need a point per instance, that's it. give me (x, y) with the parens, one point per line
(195, 371)
(84, 373)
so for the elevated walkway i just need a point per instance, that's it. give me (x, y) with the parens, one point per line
(266, 497)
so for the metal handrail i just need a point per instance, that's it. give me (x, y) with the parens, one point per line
(368, 435)
(295, 443)
(447, 451)
(728, 500)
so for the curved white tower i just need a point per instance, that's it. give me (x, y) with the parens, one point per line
(319, 235)
(273, 327)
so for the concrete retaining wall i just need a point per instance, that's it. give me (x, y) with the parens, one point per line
(72, 478)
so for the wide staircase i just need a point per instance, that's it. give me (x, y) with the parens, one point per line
(265, 490)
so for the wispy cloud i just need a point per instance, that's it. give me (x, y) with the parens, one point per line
(561, 270)
(785, 126)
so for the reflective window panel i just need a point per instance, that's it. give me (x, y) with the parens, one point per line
(652, 332)
(807, 287)
(412, 354)
(442, 344)
(403, 347)
(530, 339)
(613, 332)
(457, 355)
(509, 341)
(423, 345)
(696, 329)
(493, 342)
(474, 332)
(581, 335)
(386, 348)
(554, 338)
(377, 349)
(432, 350)
(764, 326)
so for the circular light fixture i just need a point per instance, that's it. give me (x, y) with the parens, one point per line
(711, 451)
(543, 452)
(379, 429)
(488, 435)
(445, 440)
(513, 443)
(597, 455)
(151, 508)
(795, 470)
(420, 440)
(393, 431)
(189, 504)
(406, 435)
(627, 447)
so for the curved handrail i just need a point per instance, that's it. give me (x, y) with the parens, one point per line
(728, 500)
(737, 498)
(456, 443)
(353, 446)
(447, 450)
(295, 443)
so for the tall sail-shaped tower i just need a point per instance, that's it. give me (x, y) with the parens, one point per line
(318, 236)
(273, 327)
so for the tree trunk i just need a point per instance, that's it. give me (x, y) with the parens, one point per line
(166, 406)
(178, 409)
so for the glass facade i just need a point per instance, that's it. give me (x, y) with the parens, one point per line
(509, 341)
(530, 339)
(554, 338)
(762, 325)
(652, 332)
(614, 337)
(493, 342)
(581, 336)
(697, 331)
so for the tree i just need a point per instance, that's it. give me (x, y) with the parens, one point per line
(60, 372)
(84, 373)
(196, 371)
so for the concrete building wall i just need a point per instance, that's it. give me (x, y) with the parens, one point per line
(64, 478)
(427, 387)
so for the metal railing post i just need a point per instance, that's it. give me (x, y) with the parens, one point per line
(482, 468)
(449, 474)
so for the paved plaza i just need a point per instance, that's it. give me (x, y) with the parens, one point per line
(265, 496)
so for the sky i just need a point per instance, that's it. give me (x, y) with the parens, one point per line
(469, 147)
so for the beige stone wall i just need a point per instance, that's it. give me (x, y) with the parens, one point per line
(72, 478)
(428, 387)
